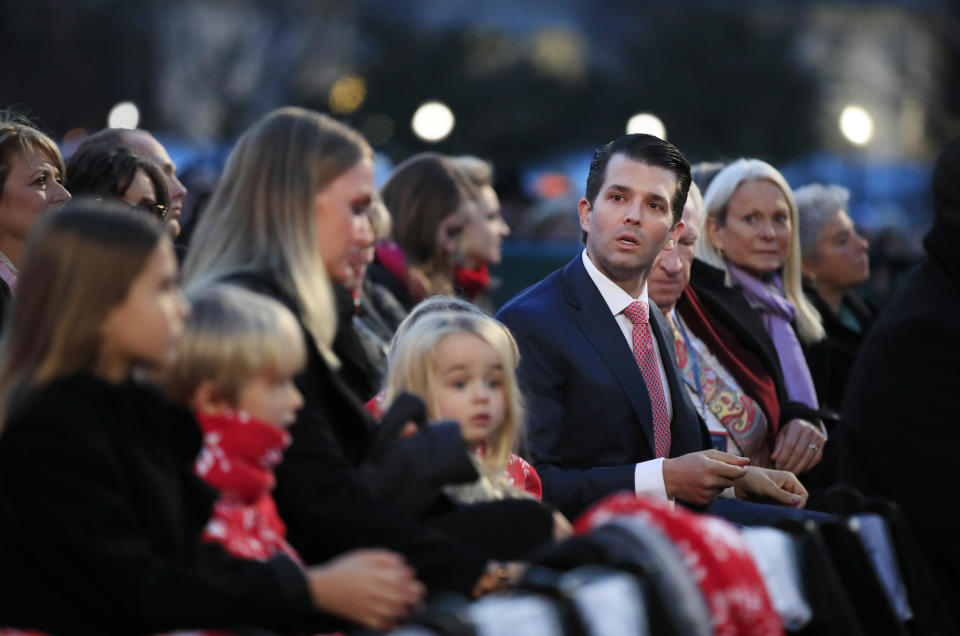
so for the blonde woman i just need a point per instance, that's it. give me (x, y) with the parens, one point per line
(750, 238)
(288, 214)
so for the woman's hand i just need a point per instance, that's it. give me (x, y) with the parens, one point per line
(771, 486)
(799, 447)
(374, 588)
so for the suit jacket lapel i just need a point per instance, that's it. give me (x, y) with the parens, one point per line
(600, 328)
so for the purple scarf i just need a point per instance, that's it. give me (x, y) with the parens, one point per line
(7, 272)
(777, 313)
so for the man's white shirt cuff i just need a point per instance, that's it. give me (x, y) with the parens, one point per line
(648, 479)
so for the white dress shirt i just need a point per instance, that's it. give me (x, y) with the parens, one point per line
(648, 476)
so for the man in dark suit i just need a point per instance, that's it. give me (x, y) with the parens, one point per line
(607, 409)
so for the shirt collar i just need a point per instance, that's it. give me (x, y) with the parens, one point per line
(617, 299)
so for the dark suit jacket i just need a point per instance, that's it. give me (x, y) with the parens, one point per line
(590, 420)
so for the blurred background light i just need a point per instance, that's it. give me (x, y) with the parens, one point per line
(560, 53)
(433, 121)
(378, 129)
(123, 115)
(347, 94)
(856, 124)
(647, 124)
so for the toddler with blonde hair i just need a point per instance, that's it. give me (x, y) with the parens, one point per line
(463, 367)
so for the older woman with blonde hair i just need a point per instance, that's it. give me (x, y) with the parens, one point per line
(750, 242)
(31, 180)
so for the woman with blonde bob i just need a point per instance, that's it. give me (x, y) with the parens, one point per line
(437, 355)
(750, 235)
(288, 214)
(31, 180)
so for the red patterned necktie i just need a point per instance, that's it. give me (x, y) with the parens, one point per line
(646, 356)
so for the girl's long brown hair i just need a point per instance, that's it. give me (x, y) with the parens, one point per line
(79, 263)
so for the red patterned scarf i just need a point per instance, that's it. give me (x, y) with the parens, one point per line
(742, 364)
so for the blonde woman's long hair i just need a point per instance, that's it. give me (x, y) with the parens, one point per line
(261, 216)
(78, 264)
(717, 198)
(412, 362)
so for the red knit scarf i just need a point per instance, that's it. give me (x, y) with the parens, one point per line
(237, 459)
(472, 281)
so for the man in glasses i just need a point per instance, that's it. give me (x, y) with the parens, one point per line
(144, 144)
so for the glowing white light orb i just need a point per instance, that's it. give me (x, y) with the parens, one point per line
(124, 115)
(433, 122)
(856, 124)
(647, 124)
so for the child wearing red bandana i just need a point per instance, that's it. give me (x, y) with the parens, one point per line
(238, 456)
(235, 369)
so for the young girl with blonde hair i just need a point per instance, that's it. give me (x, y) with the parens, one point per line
(463, 367)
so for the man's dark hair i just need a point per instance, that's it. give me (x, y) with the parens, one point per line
(106, 138)
(647, 149)
(102, 170)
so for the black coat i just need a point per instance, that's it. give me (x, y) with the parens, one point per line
(361, 369)
(831, 359)
(327, 507)
(901, 414)
(102, 517)
(729, 306)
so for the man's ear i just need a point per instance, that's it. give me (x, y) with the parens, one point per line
(583, 210)
(673, 236)
(209, 397)
(713, 233)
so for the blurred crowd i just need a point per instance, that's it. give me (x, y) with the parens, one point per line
(278, 399)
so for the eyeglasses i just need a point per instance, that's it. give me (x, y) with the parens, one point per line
(158, 210)
(154, 208)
